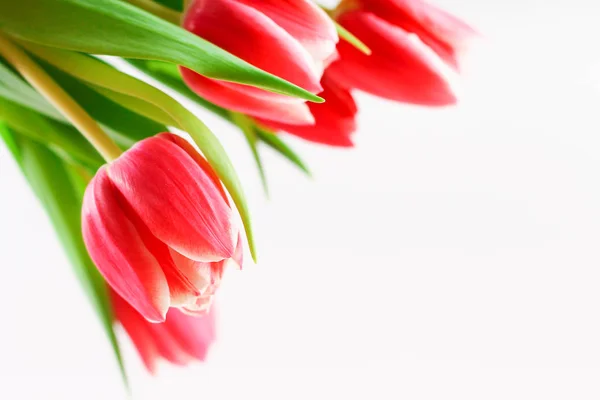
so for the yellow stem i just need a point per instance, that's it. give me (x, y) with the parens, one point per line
(46, 86)
(159, 10)
(342, 7)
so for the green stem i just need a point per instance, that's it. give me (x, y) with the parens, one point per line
(342, 7)
(72, 111)
(343, 33)
(246, 124)
(159, 10)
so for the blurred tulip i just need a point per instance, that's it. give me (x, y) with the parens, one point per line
(293, 39)
(444, 33)
(334, 120)
(159, 227)
(415, 49)
(179, 340)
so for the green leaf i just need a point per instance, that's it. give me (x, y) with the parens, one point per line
(113, 27)
(247, 127)
(353, 40)
(168, 75)
(276, 143)
(13, 88)
(100, 74)
(61, 138)
(50, 179)
(11, 143)
(141, 107)
(176, 5)
(109, 113)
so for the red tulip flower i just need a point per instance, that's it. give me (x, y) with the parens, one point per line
(293, 39)
(444, 33)
(415, 49)
(158, 225)
(334, 120)
(180, 339)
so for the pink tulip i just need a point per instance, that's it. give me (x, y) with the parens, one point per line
(293, 39)
(180, 339)
(334, 120)
(159, 227)
(444, 33)
(415, 50)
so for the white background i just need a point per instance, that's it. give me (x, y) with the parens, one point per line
(452, 255)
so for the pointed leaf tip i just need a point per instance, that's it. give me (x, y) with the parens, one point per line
(353, 40)
(315, 99)
(121, 29)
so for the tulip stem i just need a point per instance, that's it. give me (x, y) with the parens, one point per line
(158, 10)
(60, 99)
(342, 7)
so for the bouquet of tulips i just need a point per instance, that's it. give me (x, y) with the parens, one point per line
(150, 219)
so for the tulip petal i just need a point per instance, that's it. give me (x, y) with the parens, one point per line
(443, 32)
(252, 36)
(338, 98)
(193, 334)
(199, 274)
(175, 199)
(200, 308)
(179, 339)
(238, 254)
(305, 21)
(201, 161)
(400, 67)
(181, 289)
(330, 131)
(138, 330)
(167, 345)
(218, 269)
(417, 15)
(236, 100)
(334, 120)
(119, 252)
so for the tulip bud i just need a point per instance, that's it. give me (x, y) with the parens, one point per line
(293, 39)
(158, 225)
(179, 340)
(334, 120)
(415, 51)
(444, 33)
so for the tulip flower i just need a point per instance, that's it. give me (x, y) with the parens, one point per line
(293, 39)
(334, 120)
(414, 51)
(158, 225)
(444, 33)
(180, 339)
